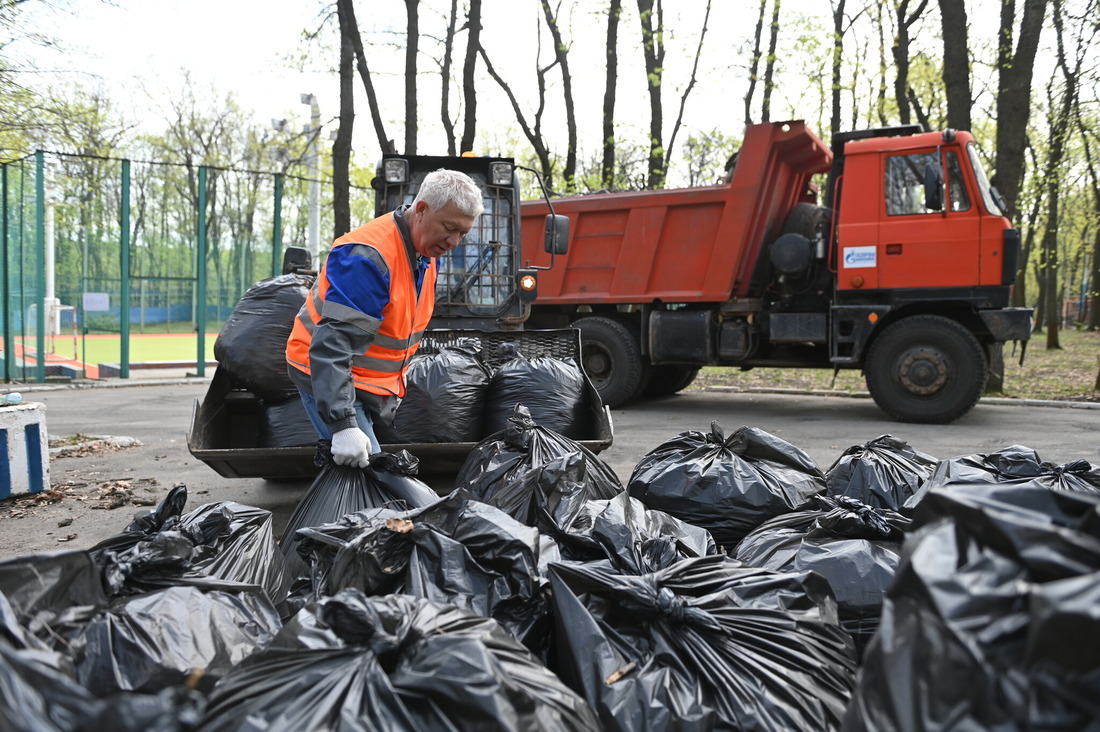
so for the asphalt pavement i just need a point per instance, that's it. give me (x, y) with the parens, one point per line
(157, 413)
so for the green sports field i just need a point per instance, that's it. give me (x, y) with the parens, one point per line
(96, 349)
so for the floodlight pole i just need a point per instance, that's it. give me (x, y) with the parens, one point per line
(313, 129)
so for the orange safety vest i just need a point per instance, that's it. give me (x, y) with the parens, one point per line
(381, 369)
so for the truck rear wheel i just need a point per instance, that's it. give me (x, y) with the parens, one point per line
(670, 378)
(927, 369)
(612, 358)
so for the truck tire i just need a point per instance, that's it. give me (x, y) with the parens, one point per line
(669, 379)
(926, 369)
(611, 356)
(803, 219)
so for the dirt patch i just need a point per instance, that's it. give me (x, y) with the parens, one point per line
(107, 495)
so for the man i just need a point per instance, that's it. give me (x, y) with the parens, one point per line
(364, 317)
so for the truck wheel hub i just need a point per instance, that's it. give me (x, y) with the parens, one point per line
(923, 371)
(597, 365)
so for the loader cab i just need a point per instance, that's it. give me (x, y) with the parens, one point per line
(920, 213)
(479, 284)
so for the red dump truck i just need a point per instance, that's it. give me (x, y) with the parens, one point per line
(902, 268)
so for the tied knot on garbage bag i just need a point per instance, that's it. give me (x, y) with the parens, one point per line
(649, 601)
(358, 623)
(851, 519)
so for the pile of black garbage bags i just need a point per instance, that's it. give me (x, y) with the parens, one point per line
(459, 390)
(729, 584)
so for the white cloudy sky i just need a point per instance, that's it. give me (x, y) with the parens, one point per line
(138, 50)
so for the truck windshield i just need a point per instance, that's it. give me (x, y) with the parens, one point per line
(984, 186)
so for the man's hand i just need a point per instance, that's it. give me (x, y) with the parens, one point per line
(351, 446)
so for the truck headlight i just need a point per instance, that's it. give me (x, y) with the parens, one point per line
(396, 171)
(500, 174)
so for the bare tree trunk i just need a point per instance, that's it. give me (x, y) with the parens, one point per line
(569, 172)
(531, 130)
(905, 21)
(1092, 294)
(412, 44)
(608, 163)
(956, 63)
(838, 57)
(754, 65)
(347, 10)
(445, 72)
(769, 66)
(651, 17)
(341, 146)
(473, 48)
(687, 90)
(1014, 69)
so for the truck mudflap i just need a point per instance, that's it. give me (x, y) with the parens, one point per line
(225, 428)
(1008, 324)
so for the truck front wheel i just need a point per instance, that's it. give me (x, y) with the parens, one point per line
(927, 369)
(611, 356)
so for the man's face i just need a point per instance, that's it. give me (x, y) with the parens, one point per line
(436, 232)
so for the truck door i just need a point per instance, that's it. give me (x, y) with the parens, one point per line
(921, 247)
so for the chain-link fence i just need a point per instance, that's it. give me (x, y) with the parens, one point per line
(97, 252)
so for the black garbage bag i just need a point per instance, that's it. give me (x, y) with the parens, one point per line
(223, 542)
(252, 343)
(991, 621)
(455, 552)
(43, 594)
(726, 485)
(502, 470)
(620, 530)
(883, 472)
(341, 489)
(703, 644)
(855, 547)
(554, 390)
(444, 397)
(352, 662)
(36, 695)
(171, 637)
(286, 424)
(1013, 465)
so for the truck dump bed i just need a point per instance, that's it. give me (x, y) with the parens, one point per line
(225, 425)
(699, 245)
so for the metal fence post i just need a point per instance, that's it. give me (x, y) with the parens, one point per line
(124, 273)
(200, 299)
(40, 263)
(9, 345)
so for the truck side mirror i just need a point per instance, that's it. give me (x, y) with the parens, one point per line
(557, 234)
(296, 259)
(933, 187)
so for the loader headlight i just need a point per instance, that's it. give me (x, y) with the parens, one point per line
(396, 171)
(500, 174)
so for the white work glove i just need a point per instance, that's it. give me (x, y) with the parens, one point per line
(351, 446)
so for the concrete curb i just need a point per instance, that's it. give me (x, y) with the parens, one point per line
(1003, 401)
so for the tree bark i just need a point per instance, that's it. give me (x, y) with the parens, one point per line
(1014, 70)
(347, 9)
(445, 83)
(956, 64)
(341, 146)
(900, 50)
(412, 44)
(607, 164)
(469, 93)
(769, 66)
(838, 57)
(687, 89)
(754, 65)
(569, 172)
(651, 17)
